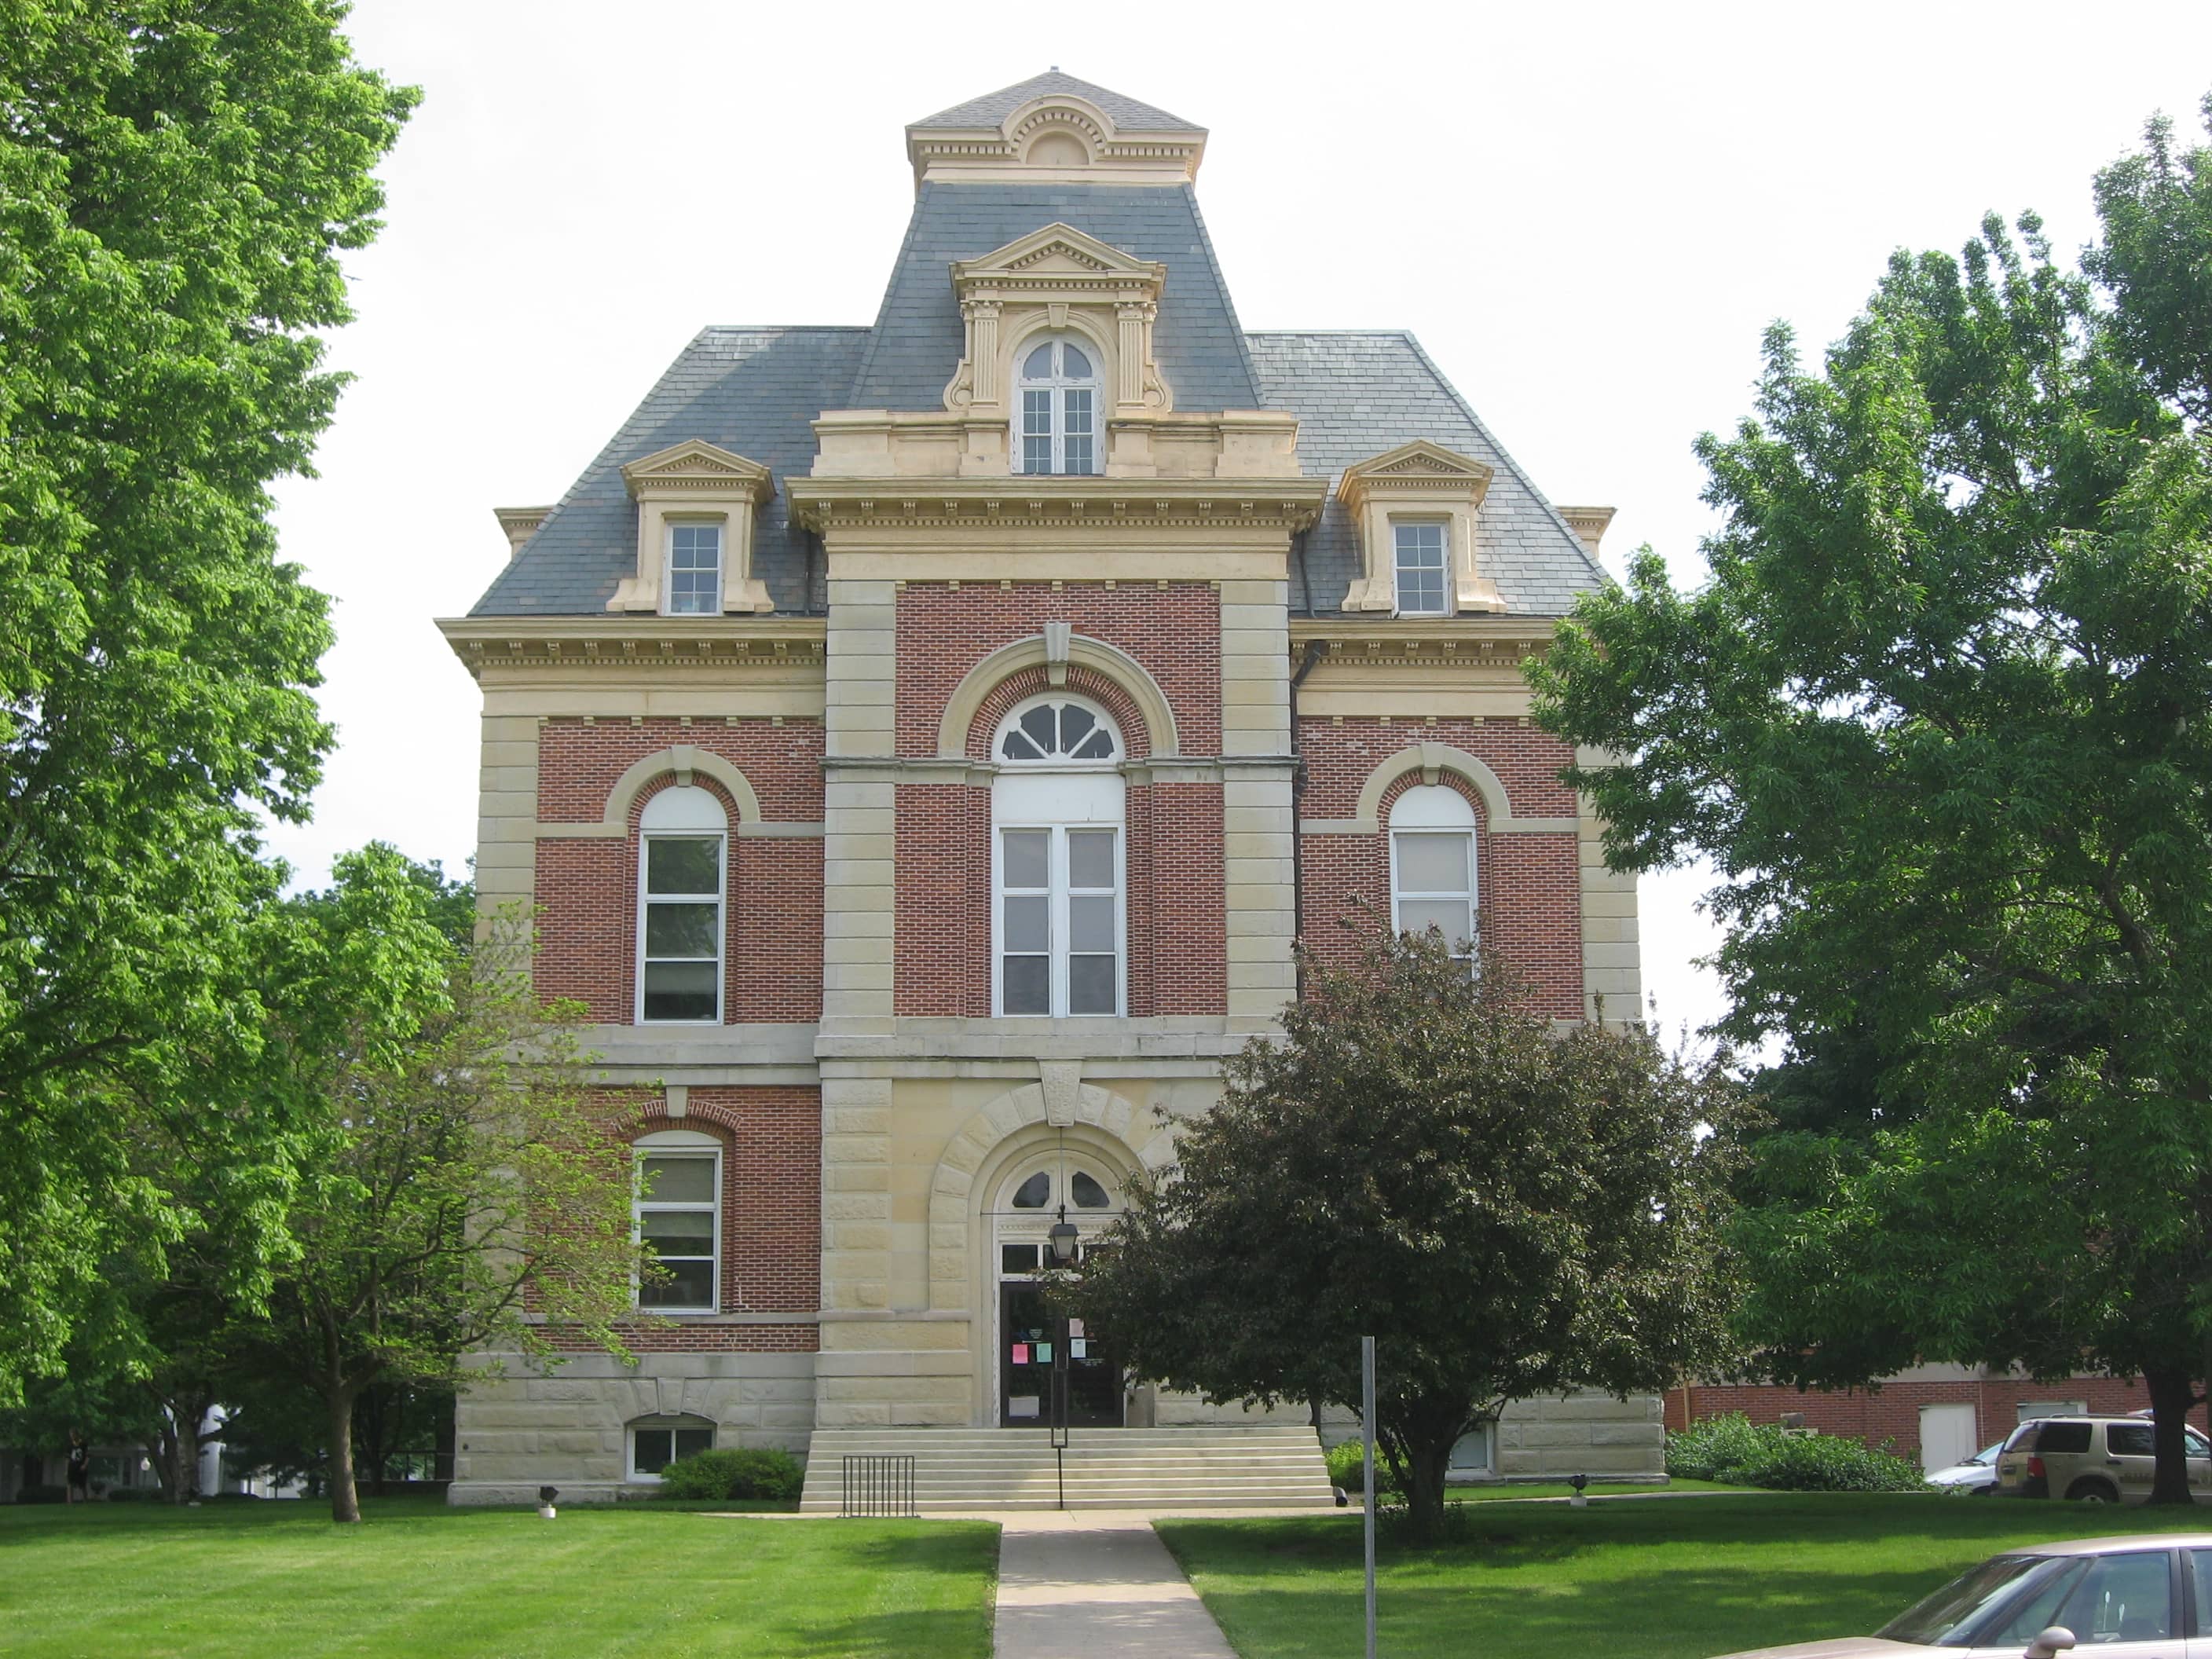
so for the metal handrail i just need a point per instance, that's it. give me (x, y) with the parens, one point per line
(877, 1484)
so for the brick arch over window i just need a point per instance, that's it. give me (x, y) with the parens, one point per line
(977, 1151)
(650, 774)
(1435, 763)
(1027, 682)
(1091, 667)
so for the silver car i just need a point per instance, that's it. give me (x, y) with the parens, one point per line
(1978, 1475)
(2092, 1460)
(2148, 1597)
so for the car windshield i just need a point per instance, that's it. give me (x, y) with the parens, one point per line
(1947, 1619)
(1988, 1453)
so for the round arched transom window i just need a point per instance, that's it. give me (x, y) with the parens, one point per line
(1049, 729)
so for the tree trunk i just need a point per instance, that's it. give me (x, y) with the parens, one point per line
(345, 1501)
(1427, 1457)
(2170, 1397)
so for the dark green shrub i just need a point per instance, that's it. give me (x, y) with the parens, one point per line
(1738, 1452)
(42, 1495)
(1345, 1469)
(750, 1472)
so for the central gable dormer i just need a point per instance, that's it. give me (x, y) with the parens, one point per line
(1054, 129)
(1057, 281)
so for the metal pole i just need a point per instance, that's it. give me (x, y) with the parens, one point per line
(1367, 1443)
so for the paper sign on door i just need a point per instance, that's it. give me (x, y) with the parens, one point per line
(1078, 1348)
(1044, 1353)
(1075, 1328)
(1021, 1353)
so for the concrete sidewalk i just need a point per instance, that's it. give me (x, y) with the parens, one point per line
(1096, 1584)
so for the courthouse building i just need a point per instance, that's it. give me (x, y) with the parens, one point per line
(922, 742)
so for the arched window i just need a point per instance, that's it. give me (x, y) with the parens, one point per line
(1057, 860)
(684, 836)
(679, 1210)
(1432, 866)
(1056, 390)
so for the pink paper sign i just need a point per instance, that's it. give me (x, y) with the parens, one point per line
(1021, 1353)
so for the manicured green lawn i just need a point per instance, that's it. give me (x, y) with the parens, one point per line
(1661, 1578)
(417, 1581)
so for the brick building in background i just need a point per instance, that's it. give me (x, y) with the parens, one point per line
(922, 742)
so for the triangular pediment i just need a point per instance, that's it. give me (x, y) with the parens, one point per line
(1057, 250)
(1420, 465)
(694, 465)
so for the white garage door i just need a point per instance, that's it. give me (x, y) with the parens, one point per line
(1947, 1436)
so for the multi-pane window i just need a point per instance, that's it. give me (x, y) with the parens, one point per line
(678, 1211)
(1059, 856)
(655, 1442)
(680, 906)
(1421, 560)
(1433, 866)
(1058, 404)
(694, 569)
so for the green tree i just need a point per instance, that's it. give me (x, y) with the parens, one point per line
(1939, 718)
(455, 1184)
(177, 181)
(1509, 1213)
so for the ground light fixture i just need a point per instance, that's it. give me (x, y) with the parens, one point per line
(546, 1496)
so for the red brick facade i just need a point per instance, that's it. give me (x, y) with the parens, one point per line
(1891, 1414)
(771, 1260)
(1527, 884)
(586, 889)
(1174, 873)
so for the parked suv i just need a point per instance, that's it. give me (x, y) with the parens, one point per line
(2095, 1460)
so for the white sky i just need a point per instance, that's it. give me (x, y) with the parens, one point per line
(1587, 214)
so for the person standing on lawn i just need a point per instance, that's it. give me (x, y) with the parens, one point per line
(80, 1469)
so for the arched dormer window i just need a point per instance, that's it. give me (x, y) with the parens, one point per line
(1056, 390)
(1057, 861)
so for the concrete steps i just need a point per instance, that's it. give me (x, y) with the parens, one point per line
(1256, 1465)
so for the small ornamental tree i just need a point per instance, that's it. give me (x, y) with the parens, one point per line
(455, 1183)
(1510, 1211)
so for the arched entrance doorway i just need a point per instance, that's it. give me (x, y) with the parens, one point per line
(1043, 1357)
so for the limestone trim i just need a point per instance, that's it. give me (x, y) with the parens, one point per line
(683, 763)
(1058, 137)
(978, 1150)
(1590, 523)
(695, 482)
(1035, 652)
(1054, 279)
(597, 648)
(1417, 481)
(973, 441)
(1432, 761)
(519, 523)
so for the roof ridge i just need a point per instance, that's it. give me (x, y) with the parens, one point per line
(784, 328)
(1123, 110)
(624, 435)
(883, 307)
(1221, 287)
(1574, 539)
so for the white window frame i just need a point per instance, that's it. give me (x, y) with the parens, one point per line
(685, 813)
(1056, 387)
(1435, 809)
(630, 1431)
(676, 1143)
(721, 534)
(1058, 796)
(1444, 569)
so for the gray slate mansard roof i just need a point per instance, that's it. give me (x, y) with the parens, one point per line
(1358, 394)
(756, 390)
(993, 107)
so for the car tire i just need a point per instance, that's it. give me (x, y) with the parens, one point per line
(2093, 1491)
